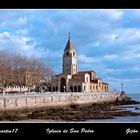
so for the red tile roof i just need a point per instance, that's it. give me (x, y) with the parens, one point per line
(95, 80)
(86, 71)
(83, 72)
(76, 80)
(105, 83)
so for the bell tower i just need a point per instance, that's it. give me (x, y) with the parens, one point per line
(69, 59)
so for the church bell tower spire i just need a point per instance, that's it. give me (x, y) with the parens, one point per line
(69, 35)
(69, 58)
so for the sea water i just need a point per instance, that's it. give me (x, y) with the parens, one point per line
(126, 119)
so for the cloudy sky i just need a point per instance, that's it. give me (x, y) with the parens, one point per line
(106, 41)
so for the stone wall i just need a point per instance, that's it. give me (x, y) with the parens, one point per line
(53, 99)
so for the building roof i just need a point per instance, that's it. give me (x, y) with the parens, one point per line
(105, 83)
(69, 45)
(83, 73)
(95, 80)
(86, 71)
(76, 80)
(78, 74)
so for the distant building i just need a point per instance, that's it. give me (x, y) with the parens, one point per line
(72, 80)
(22, 81)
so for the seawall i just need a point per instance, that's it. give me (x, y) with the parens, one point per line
(29, 100)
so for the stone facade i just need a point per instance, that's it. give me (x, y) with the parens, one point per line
(70, 80)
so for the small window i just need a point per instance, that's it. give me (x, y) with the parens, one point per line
(73, 54)
(84, 88)
(67, 53)
(87, 79)
(99, 84)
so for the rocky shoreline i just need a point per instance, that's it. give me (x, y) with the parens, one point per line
(73, 112)
(84, 112)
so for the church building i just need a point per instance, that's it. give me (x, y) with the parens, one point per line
(72, 80)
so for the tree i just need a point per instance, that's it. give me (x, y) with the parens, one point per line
(23, 71)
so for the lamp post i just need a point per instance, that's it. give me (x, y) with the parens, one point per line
(122, 86)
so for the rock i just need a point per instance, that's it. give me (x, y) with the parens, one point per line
(137, 108)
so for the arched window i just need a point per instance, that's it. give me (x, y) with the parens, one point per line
(79, 89)
(53, 88)
(84, 88)
(87, 79)
(56, 88)
(75, 88)
(73, 54)
(63, 85)
(67, 54)
(71, 89)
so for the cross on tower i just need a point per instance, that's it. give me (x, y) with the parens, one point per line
(69, 35)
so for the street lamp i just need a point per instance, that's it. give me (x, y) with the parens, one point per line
(122, 86)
